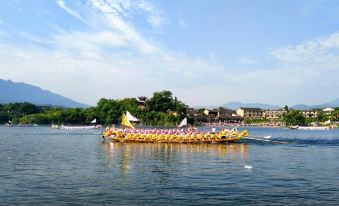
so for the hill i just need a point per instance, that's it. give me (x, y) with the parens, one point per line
(22, 92)
(334, 103)
(236, 105)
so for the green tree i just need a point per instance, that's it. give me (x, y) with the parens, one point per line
(286, 108)
(294, 117)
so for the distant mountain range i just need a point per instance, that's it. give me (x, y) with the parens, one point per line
(333, 103)
(237, 105)
(22, 92)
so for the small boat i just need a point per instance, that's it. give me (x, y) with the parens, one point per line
(315, 128)
(82, 127)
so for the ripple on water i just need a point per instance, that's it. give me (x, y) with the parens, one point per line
(52, 167)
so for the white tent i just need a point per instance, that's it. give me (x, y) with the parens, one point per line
(131, 117)
(328, 122)
(94, 121)
(183, 122)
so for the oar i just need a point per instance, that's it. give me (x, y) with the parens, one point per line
(264, 140)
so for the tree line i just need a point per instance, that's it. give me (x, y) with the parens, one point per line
(161, 109)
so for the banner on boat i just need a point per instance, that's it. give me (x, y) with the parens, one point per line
(183, 122)
(125, 121)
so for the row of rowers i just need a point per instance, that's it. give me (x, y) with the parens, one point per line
(189, 133)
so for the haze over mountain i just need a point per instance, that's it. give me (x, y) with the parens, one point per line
(236, 105)
(21, 92)
(333, 103)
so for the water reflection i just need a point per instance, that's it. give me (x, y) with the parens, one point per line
(125, 155)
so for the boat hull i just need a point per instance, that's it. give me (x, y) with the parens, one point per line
(207, 141)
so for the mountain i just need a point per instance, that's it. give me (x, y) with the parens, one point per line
(237, 105)
(22, 92)
(301, 106)
(334, 103)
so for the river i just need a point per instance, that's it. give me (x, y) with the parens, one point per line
(41, 165)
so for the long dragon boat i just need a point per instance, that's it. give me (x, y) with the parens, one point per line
(168, 135)
(197, 137)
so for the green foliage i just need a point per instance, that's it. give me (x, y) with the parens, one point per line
(335, 114)
(294, 117)
(286, 108)
(161, 109)
(17, 110)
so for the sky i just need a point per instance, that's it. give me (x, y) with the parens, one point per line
(205, 52)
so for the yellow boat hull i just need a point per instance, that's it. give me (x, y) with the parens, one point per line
(215, 141)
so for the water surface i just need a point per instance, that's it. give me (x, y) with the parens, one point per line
(46, 166)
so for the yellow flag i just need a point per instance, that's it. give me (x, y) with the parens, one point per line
(126, 122)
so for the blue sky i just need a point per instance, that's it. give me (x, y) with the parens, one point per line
(205, 52)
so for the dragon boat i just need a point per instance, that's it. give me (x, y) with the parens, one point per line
(168, 135)
(196, 137)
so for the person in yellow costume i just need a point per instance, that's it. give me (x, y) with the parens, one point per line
(211, 136)
(148, 137)
(233, 134)
(199, 136)
(172, 137)
(154, 137)
(178, 137)
(223, 133)
(205, 136)
(185, 137)
(192, 137)
(159, 137)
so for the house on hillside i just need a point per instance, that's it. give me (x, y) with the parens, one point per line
(249, 112)
(310, 113)
(274, 113)
(328, 110)
(219, 115)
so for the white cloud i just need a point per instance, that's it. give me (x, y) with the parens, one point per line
(155, 16)
(112, 59)
(62, 4)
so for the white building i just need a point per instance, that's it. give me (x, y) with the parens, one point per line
(328, 110)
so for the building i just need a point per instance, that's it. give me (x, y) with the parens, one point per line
(310, 113)
(328, 110)
(274, 113)
(142, 101)
(219, 115)
(249, 112)
(228, 115)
